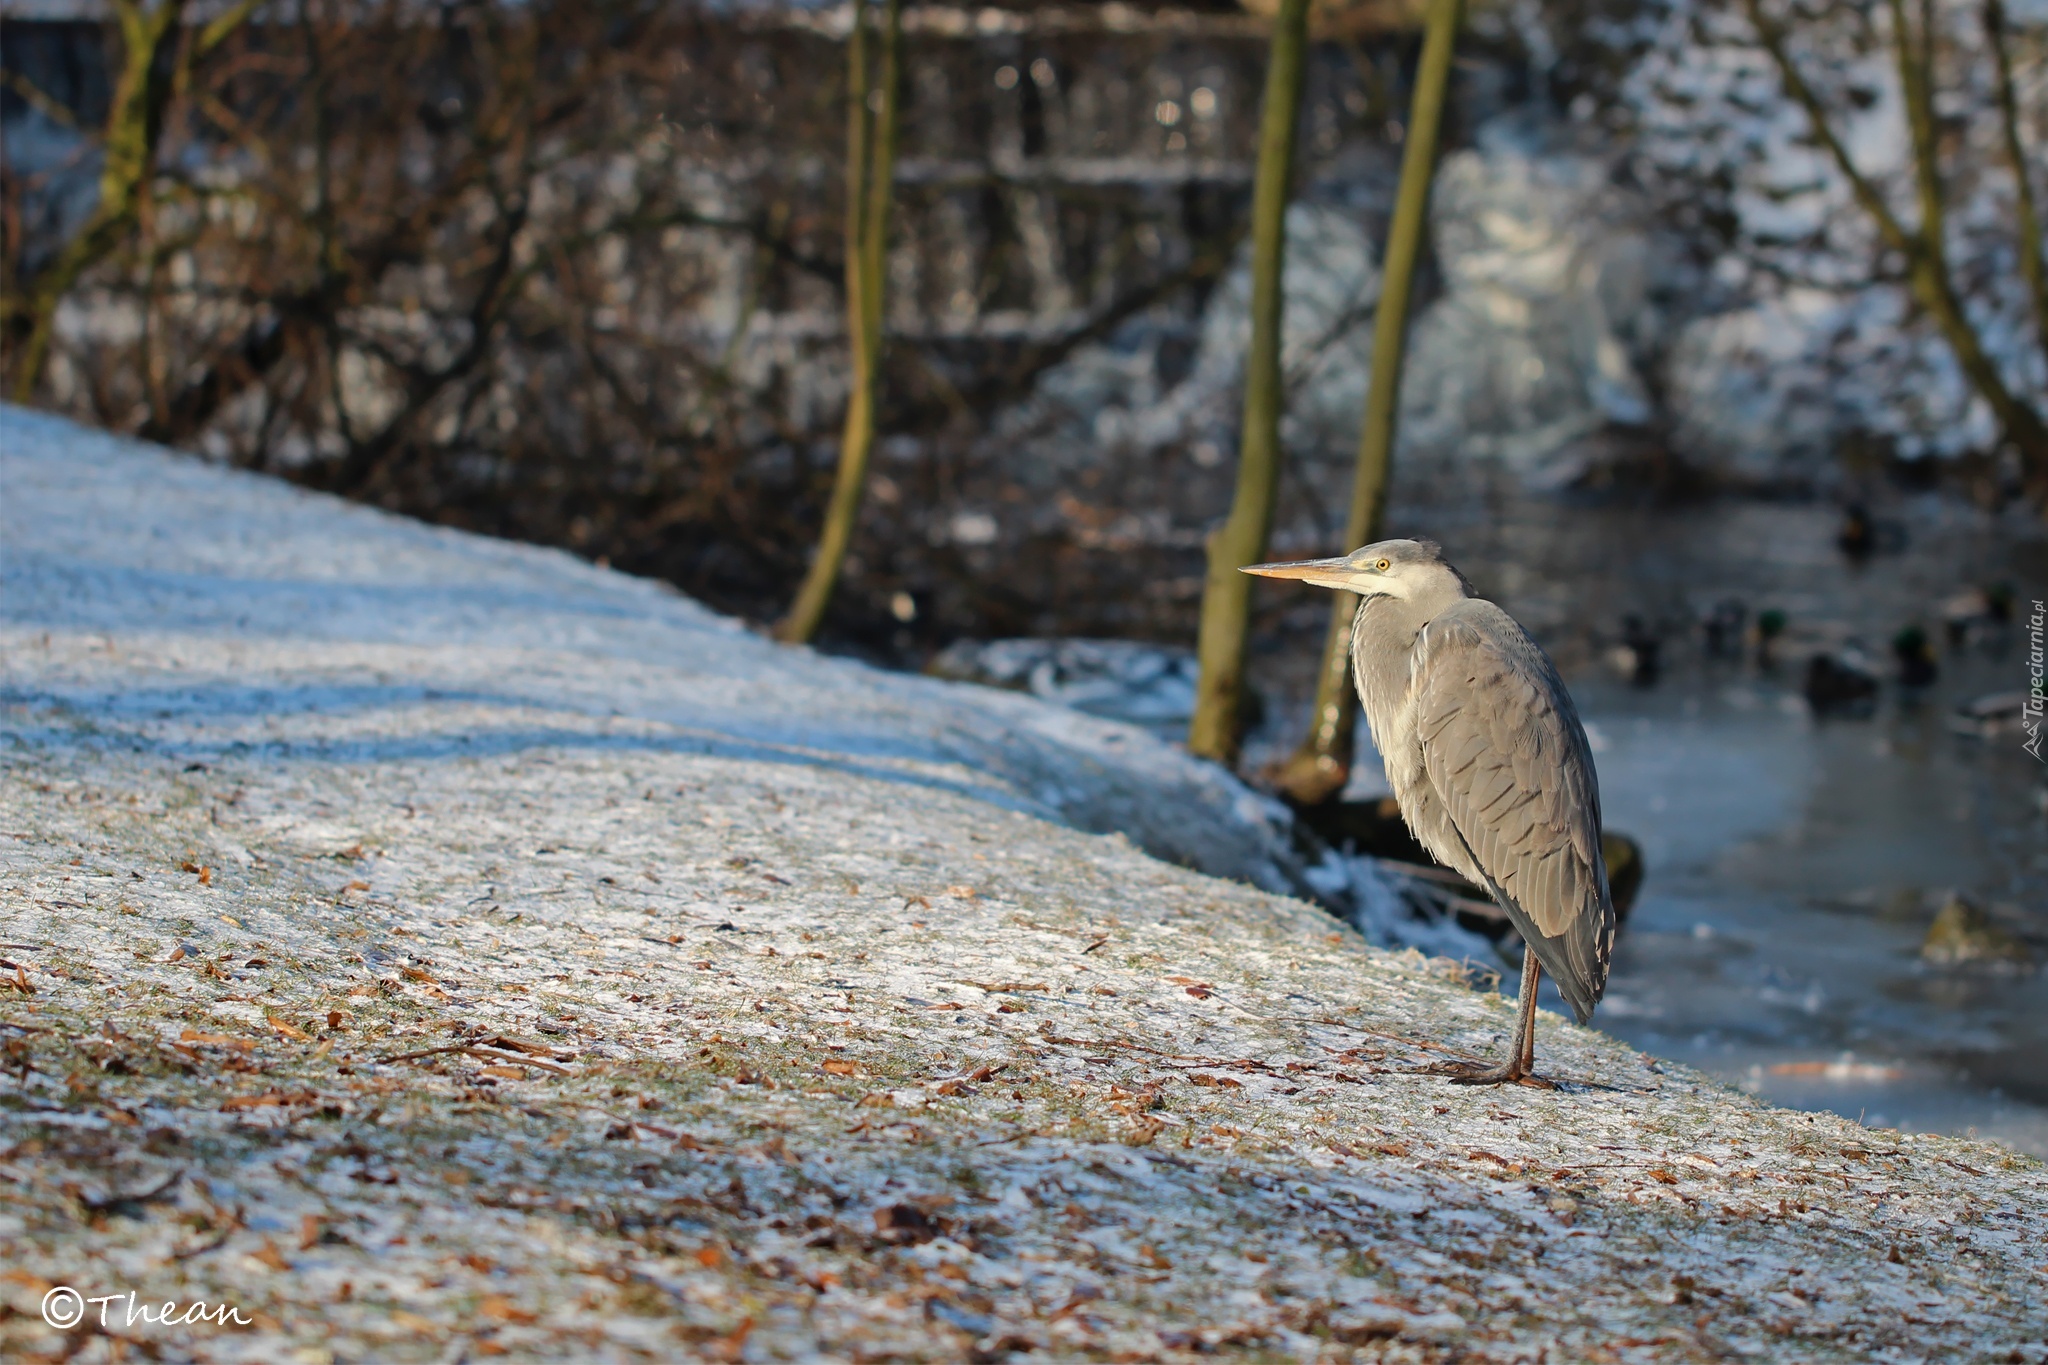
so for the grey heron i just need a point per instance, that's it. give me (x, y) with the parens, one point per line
(1488, 760)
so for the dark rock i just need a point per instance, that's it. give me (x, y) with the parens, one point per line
(1624, 858)
(1917, 666)
(1640, 653)
(1963, 935)
(1839, 686)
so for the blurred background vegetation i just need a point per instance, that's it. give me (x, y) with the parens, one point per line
(573, 273)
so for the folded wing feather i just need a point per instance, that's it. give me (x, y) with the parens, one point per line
(1503, 747)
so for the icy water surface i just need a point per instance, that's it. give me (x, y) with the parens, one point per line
(1795, 861)
(1796, 865)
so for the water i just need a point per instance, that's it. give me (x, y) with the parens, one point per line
(1795, 862)
(1796, 865)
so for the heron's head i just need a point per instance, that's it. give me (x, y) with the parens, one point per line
(1411, 570)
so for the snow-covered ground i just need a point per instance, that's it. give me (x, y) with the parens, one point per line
(438, 949)
(253, 617)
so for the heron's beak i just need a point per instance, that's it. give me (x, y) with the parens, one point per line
(1324, 573)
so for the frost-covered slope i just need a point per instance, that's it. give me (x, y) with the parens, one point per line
(439, 949)
(257, 616)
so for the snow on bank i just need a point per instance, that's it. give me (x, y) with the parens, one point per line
(330, 629)
(440, 949)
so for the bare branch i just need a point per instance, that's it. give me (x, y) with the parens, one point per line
(218, 30)
(39, 100)
(1929, 279)
(1867, 194)
(1916, 87)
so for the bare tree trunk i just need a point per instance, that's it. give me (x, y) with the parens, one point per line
(2027, 217)
(870, 167)
(1925, 250)
(1319, 769)
(1215, 731)
(143, 89)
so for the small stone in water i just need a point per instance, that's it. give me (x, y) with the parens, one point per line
(1962, 933)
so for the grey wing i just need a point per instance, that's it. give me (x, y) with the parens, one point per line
(1504, 750)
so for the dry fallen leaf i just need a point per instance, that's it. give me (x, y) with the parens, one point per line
(501, 1309)
(296, 1034)
(269, 1255)
(216, 1040)
(732, 1346)
(1661, 1176)
(505, 1073)
(838, 1067)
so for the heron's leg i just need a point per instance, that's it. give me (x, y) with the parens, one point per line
(1522, 1051)
(1532, 977)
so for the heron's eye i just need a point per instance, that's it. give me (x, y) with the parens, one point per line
(1383, 564)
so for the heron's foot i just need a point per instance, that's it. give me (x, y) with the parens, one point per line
(1476, 1073)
